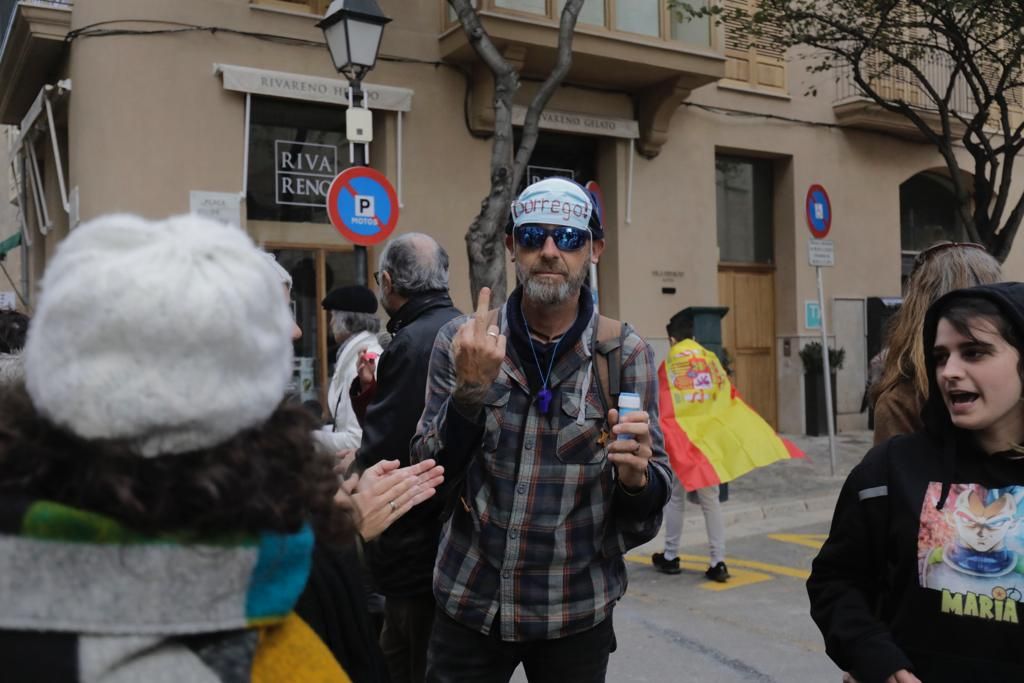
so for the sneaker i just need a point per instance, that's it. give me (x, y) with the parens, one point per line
(719, 573)
(665, 566)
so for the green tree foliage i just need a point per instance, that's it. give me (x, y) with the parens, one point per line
(950, 67)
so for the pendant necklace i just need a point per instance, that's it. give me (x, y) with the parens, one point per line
(544, 395)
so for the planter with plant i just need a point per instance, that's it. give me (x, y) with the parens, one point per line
(814, 385)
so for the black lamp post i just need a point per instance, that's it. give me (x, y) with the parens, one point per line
(353, 31)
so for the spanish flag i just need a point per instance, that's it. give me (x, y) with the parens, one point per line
(711, 435)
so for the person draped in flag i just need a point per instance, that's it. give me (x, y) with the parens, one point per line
(711, 437)
(667, 561)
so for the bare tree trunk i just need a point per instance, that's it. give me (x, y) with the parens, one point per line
(485, 244)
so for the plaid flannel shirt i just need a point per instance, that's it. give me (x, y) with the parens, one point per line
(541, 545)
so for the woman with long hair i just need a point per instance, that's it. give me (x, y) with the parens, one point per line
(922, 575)
(903, 388)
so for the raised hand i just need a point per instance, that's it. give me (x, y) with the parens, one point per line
(479, 349)
(366, 369)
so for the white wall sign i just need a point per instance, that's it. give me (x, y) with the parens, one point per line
(8, 301)
(304, 87)
(225, 207)
(303, 172)
(573, 122)
(821, 253)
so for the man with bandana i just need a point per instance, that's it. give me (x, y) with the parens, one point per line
(550, 486)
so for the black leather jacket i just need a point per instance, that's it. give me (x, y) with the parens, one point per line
(402, 558)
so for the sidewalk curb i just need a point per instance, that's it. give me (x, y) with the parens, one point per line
(758, 512)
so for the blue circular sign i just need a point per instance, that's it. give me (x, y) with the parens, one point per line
(362, 205)
(819, 211)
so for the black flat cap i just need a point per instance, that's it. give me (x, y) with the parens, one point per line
(354, 298)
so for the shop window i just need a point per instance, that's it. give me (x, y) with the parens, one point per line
(295, 150)
(744, 203)
(316, 271)
(558, 154)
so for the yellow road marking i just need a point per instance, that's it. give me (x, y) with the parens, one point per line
(737, 577)
(810, 540)
(739, 569)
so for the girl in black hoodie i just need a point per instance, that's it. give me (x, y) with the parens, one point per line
(922, 576)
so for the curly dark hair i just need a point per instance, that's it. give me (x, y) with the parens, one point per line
(269, 478)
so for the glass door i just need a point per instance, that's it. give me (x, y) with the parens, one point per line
(316, 271)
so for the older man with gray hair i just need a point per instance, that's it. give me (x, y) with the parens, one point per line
(413, 281)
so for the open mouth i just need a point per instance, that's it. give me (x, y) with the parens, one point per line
(962, 398)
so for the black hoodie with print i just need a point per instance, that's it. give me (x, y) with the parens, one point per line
(924, 565)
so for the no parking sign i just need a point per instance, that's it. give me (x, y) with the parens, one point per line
(362, 205)
(819, 211)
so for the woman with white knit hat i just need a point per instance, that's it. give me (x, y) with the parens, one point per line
(157, 502)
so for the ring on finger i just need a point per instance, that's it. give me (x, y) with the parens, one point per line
(393, 506)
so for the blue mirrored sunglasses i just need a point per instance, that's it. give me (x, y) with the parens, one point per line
(566, 238)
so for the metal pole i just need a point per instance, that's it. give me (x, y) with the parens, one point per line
(357, 153)
(828, 376)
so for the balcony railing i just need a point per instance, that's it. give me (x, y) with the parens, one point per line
(898, 84)
(9, 7)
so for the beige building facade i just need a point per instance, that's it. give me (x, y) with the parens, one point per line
(704, 148)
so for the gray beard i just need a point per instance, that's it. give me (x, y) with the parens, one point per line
(552, 294)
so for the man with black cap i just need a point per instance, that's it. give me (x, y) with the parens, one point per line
(355, 325)
(552, 487)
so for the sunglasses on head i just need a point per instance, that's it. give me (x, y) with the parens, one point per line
(931, 251)
(566, 238)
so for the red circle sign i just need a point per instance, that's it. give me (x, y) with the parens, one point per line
(819, 211)
(362, 205)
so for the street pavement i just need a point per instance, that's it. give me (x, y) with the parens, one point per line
(784, 493)
(756, 626)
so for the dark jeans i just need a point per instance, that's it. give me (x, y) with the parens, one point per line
(407, 626)
(461, 655)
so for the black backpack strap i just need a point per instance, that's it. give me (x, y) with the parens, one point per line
(607, 350)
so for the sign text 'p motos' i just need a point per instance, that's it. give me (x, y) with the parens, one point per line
(362, 205)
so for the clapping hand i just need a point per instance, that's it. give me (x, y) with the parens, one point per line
(386, 491)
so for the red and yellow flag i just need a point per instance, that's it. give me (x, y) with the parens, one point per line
(711, 435)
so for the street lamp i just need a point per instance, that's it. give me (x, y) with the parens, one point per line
(353, 30)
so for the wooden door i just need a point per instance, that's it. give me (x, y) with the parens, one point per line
(748, 334)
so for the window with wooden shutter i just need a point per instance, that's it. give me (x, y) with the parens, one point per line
(757, 61)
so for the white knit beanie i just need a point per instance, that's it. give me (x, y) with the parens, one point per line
(173, 335)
